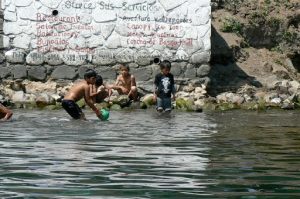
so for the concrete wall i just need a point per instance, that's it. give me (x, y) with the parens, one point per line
(59, 39)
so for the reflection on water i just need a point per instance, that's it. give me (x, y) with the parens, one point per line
(140, 155)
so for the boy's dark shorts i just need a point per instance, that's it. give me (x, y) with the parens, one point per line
(164, 103)
(72, 108)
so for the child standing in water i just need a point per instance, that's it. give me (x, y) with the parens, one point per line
(125, 84)
(79, 91)
(5, 113)
(164, 86)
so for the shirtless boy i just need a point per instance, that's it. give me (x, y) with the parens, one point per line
(79, 91)
(98, 92)
(5, 113)
(125, 83)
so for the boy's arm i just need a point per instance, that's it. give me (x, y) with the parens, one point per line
(89, 100)
(133, 82)
(92, 89)
(8, 113)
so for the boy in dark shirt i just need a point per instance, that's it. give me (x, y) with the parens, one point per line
(164, 86)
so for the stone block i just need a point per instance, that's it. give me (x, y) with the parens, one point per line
(37, 73)
(19, 72)
(64, 72)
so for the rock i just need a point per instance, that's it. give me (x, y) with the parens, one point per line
(22, 3)
(22, 41)
(19, 72)
(178, 68)
(200, 103)
(276, 100)
(115, 107)
(182, 94)
(122, 100)
(203, 70)
(39, 87)
(148, 100)
(15, 56)
(107, 72)
(188, 88)
(200, 58)
(53, 58)
(43, 100)
(186, 105)
(269, 96)
(64, 72)
(2, 57)
(201, 89)
(294, 87)
(103, 57)
(288, 105)
(125, 56)
(229, 97)
(19, 96)
(35, 58)
(4, 72)
(37, 73)
(142, 74)
(190, 72)
(143, 57)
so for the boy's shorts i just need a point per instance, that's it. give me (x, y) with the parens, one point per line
(72, 108)
(164, 104)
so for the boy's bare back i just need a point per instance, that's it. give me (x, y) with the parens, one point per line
(78, 91)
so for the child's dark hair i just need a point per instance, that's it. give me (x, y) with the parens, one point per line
(89, 73)
(99, 81)
(124, 66)
(165, 64)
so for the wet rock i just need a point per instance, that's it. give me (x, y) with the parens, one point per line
(43, 100)
(288, 105)
(122, 100)
(184, 104)
(115, 107)
(148, 100)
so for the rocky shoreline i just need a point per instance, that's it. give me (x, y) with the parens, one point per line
(281, 94)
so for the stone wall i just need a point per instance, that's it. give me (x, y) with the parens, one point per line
(59, 39)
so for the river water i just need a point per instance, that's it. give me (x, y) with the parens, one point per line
(139, 154)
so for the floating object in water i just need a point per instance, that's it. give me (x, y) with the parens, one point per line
(105, 114)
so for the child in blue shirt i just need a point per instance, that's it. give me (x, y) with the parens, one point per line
(164, 87)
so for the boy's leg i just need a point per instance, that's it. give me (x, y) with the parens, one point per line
(133, 94)
(159, 104)
(167, 104)
(72, 109)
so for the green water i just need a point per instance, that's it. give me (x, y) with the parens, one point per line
(233, 154)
